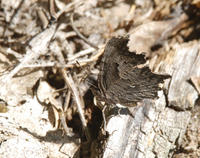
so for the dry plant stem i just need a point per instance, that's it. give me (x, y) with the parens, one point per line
(81, 53)
(69, 7)
(52, 8)
(70, 34)
(43, 18)
(104, 118)
(37, 46)
(7, 51)
(59, 111)
(79, 101)
(79, 34)
(63, 122)
(82, 62)
(26, 59)
(13, 15)
(67, 100)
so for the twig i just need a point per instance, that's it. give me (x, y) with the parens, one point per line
(13, 15)
(71, 64)
(83, 62)
(81, 53)
(63, 122)
(39, 46)
(79, 100)
(42, 16)
(79, 34)
(69, 7)
(52, 9)
(70, 34)
(7, 51)
(67, 100)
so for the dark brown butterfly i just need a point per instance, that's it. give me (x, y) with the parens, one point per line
(124, 78)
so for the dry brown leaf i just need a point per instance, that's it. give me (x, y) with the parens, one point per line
(143, 37)
(15, 91)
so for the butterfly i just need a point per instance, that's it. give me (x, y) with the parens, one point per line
(124, 77)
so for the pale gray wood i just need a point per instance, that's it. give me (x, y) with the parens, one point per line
(158, 126)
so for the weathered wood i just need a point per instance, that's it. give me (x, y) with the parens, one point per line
(158, 126)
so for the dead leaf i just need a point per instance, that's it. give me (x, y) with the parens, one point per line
(143, 37)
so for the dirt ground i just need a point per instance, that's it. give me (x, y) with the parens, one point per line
(50, 54)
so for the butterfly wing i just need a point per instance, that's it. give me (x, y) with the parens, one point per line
(137, 85)
(123, 77)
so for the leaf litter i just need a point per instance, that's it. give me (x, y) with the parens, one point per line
(50, 53)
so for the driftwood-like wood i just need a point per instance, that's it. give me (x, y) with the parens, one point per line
(158, 126)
